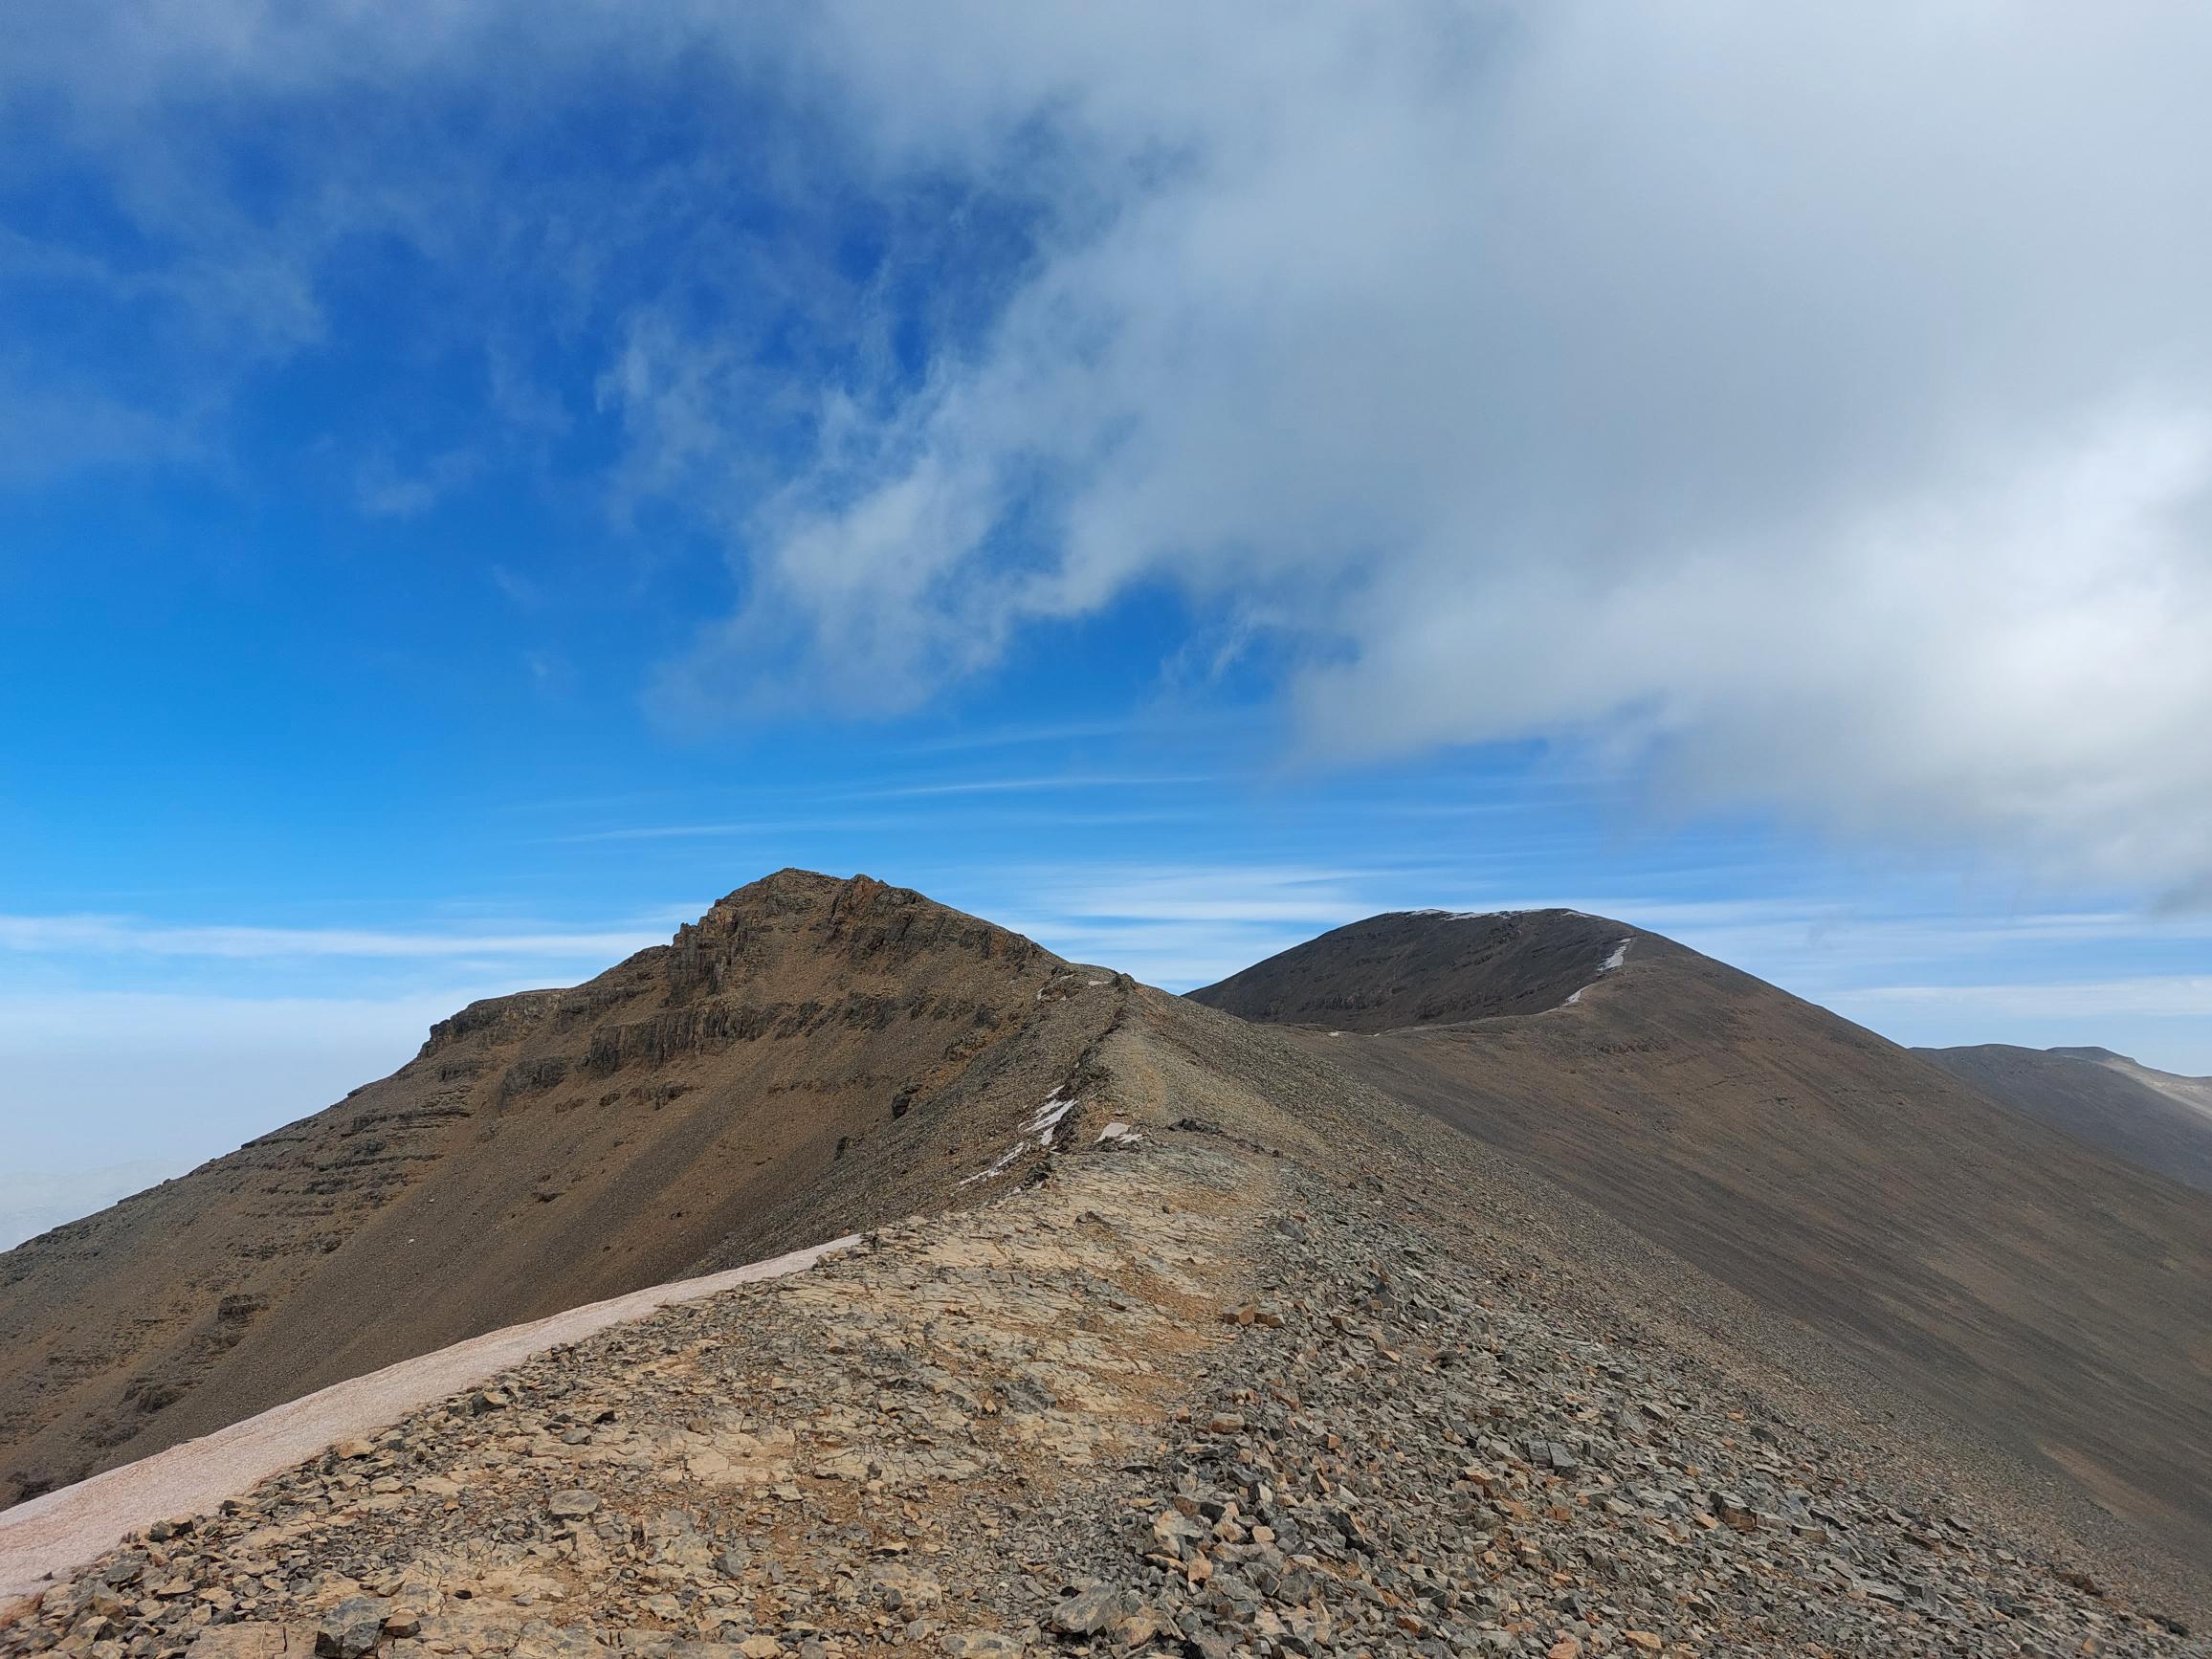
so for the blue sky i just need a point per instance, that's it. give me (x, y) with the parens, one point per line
(472, 490)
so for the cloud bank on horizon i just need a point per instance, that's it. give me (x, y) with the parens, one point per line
(1807, 408)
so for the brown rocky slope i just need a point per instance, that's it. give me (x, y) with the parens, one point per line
(2152, 1119)
(1196, 1341)
(1280, 1369)
(811, 1057)
(2052, 1297)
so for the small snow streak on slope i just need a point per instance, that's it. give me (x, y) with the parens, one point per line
(1620, 955)
(1044, 1125)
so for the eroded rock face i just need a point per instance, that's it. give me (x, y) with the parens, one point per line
(1049, 1424)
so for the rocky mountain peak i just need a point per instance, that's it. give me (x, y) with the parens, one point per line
(811, 1056)
(858, 919)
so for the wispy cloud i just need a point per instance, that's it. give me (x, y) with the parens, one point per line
(1048, 784)
(1222, 894)
(1184, 925)
(777, 830)
(384, 490)
(666, 832)
(1010, 737)
(924, 797)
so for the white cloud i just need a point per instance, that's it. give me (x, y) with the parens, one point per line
(1802, 407)
(1809, 407)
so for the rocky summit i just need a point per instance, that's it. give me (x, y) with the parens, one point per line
(809, 1057)
(1199, 1343)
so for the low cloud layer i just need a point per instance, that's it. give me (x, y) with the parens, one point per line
(1807, 410)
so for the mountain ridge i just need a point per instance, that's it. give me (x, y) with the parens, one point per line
(1428, 967)
(2156, 1120)
(1712, 1173)
(1285, 1367)
(1980, 1258)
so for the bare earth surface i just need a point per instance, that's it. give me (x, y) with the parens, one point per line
(1183, 1393)
(2052, 1297)
(1672, 1318)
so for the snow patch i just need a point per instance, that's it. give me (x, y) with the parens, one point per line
(1043, 1125)
(1620, 955)
(1118, 1135)
(1049, 1116)
(1005, 1159)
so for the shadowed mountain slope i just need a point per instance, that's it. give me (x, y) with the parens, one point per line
(2050, 1294)
(810, 1057)
(2151, 1118)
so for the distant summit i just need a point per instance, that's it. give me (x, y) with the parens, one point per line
(1422, 968)
(1824, 1172)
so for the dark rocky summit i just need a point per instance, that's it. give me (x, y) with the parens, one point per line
(1426, 967)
